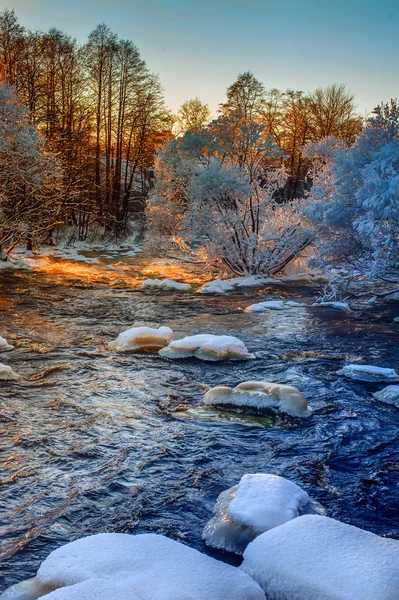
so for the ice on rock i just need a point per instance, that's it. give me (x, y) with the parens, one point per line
(207, 347)
(258, 503)
(389, 395)
(217, 286)
(152, 566)
(368, 373)
(268, 305)
(142, 338)
(319, 558)
(7, 374)
(4, 345)
(165, 284)
(260, 395)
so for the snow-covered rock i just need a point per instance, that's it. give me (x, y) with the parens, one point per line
(344, 306)
(301, 278)
(208, 347)
(260, 395)
(268, 305)
(368, 373)
(318, 558)
(165, 284)
(390, 395)
(142, 338)
(152, 566)
(393, 297)
(217, 286)
(4, 345)
(396, 320)
(258, 503)
(254, 281)
(294, 303)
(7, 374)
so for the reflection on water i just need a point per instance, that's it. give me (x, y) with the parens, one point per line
(93, 441)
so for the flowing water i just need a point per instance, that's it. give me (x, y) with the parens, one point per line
(93, 441)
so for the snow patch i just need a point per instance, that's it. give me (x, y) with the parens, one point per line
(389, 395)
(217, 286)
(7, 374)
(368, 373)
(344, 306)
(142, 338)
(208, 347)
(268, 305)
(165, 284)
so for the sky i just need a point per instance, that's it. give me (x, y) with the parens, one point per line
(198, 47)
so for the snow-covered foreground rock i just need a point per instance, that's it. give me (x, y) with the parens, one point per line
(389, 395)
(165, 284)
(217, 286)
(4, 345)
(260, 395)
(207, 347)
(317, 558)
(117, 566)
(344, 306)
(267, 305)
(368, 373)
(7, 374)
(258, 503)
(142, 338)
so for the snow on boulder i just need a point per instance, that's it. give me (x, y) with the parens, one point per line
(155, 568)
(4, 345)
(293, 303)
(97, 589)
(165, 284)
(254, 281)
(208, 347)
(268, 305)
(389, 395)
(301, 278)
(260, 395)
(319, 558)
(368, 373)
(258, 503)
(7, 374)
(217, 286)
(142, 338)
(344, 306)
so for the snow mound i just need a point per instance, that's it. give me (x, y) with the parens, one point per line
(258, 503)
(7, 374)
(368, 373)
(344, 306)
(208, 347)
(260, 395)
(390, 395)
(217, 286)
(153, 566)
(293, 303)
(268, 305)
(4, 345)
(319, 558)
(142, 338)
(165, 284)
(254, 281)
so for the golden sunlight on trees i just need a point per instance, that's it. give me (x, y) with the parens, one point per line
(192, 116)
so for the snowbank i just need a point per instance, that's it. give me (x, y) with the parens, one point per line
(142, 338)
(294, 303)
(165, 284)
(260, 395)
(344, 306)
(268, 305)
(153, 567)
(208, 347)
(319, 558)
(390, 395)
(254, 281)
(368, 373)
(217, 286)
(4, 345)
(7, 374)
(258, 503)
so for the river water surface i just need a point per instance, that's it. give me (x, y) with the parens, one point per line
(94, 441)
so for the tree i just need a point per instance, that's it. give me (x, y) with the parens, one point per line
(245, 99)
(192, 116)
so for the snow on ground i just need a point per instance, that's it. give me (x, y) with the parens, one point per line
(258, 503)
(152, 567)
(260, 395)
(267, 305)
(165, 284)
(344, 306)
(389, 395)
(4, 345)
(7, 374)
(142, 338)
(316, 558)
(208, 347)
(368, 373)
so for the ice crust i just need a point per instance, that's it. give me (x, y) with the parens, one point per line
(207, 347)
(165, 284)
(7, 374)
(389, 395)
(318, 558)
(141, 338)
(368, 373)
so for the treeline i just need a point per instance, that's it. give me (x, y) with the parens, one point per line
(101, 111)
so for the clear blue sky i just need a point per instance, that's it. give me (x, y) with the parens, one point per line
(198, 47)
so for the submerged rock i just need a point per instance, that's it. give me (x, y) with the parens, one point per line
(268, 305)
(165, 284)
(260, 395)
(7, 374)
(389, 395)
(368, 373)
(142, 338)
(314, 558)
(207, 347)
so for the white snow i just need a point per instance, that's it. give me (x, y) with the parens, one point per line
(368, 373)
(268, 305)
(142, 338)
(338, 305)
(318, 558)
(7, 374)
(4, 345)
(260, 395)
(165, 284)
(294, 303)
(208, 347)
(390, 395)
(216, 286)
(152, 566)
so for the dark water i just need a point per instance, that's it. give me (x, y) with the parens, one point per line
(99, 445)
